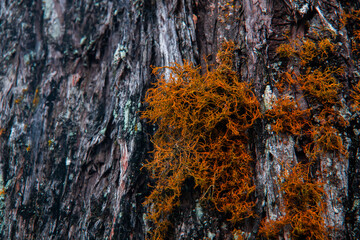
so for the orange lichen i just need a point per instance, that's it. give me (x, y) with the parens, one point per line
(18, 100)
(307, 51)
(270, 229)
(288, 81)
(202, 122)
(2, 131)
(328, 115)
(355, 94)
(325, 48)
(304, 207)
(36, 99)
(321, 89)
(325, 139)
(351, 20)
(238, 234)
(321, 85)
(316, 128)
(228, 9)
(286, 50)
(288, 117)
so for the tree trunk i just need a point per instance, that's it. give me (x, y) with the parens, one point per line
(73, 79)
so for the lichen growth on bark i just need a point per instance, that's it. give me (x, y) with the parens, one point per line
(202, 135)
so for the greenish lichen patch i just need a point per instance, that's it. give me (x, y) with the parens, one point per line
(115, 114)
(269, 98)
(199, 211)
(83, 40)
(127, 115)
(120, 53)
(47, 6)
(102, 131)
(138, 127)
(54, 28)
(211, 235)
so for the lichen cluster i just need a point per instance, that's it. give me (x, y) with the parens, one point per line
(316, 81)
(309, 109)
(351, 20)
(304, 207)
(202, 122)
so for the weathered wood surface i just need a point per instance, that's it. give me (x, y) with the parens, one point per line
(73, 76)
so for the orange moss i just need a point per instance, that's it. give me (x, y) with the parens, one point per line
(321, 89)
(325, 48)
(270, 229)
(321, 85)
(18, 100)
(308, 51)
(325, 139)
(316, 126)
(288, 117)
(355, 94)
(238, 234)
(228, 9)
(202, 122)
(304, 207)
(351, 20)
(288, 81)
(286, 50)
(2, 131)
(36, 99)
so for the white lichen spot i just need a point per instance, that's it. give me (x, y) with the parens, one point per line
(120, 53)
(138, 127)
(27, 59)
(54, 26)
(83, 40)
(55, 29)
(211, 235)
(68, 161)
(269, 98)
(51, 144)
(47, 6)
(71, 134)
(115, 114)
(16, 131)
(199, 212)
(304, 9)
(102, 131)
(127, 114)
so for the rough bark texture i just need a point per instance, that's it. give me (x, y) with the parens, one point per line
(73, 76)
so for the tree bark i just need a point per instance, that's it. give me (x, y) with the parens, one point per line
(73, 79)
